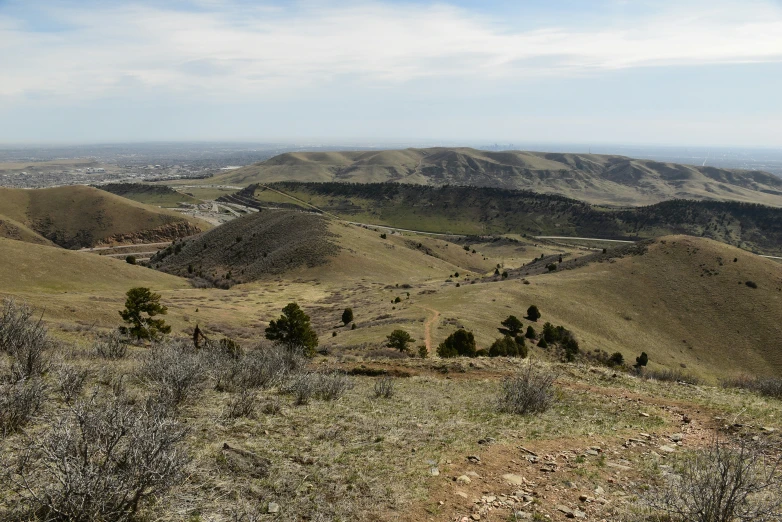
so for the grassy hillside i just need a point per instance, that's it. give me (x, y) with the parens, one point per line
(80, 216)
(481, 211)
(158, 195)
(599, 179)
(38, 268)
(684, 301)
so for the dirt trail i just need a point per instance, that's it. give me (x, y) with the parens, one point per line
(428, 327)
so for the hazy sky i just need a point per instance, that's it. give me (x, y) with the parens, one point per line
(653, 72)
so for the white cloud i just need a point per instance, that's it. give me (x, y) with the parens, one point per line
(240, 51)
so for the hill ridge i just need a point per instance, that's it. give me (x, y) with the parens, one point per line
(600, 179)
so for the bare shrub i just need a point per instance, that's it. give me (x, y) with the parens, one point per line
(325, 386)
(241, 405)
(670, 375)
(25, 339)
(176, 369)
(70, 381)
(112, 346)
(267, 367)
(721, 484)
(101, 460)
(20, 401)
(384, 387)
(530, 391)
(767, 386)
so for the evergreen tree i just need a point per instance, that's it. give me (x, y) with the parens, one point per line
(293, 330)
(399, 339)
(533, 314)
(347, 316)
(142, 301)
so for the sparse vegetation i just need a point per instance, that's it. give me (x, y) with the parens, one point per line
(722, 483)
(384, 387)
(528, 392)
(102, 460)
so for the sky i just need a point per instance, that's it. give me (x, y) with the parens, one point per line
(651, 72)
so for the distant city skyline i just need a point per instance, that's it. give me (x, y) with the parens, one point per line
(688, 73)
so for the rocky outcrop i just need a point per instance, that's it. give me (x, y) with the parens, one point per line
(167, 232)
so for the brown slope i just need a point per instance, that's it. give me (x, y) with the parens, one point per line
(80, 216)
(601, 179)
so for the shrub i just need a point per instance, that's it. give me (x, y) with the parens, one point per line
(347, 316)
(175, 369)
(542, 343)
(241, 405)
(325, 386)
(508, 346)
(530, 333)
(25, 339)
(131, 260)
(102, 460)
(384, 387)
(70, 381)
(533, 314)
(111, 346)
(423, 351)
(20, 401)
(641, 360)
(767, 386)
(670, 375)
(722, 483)
(261, 368)
(459, 343)
(399, 339)
(383, 236)
(511, 326)
(751, 284)
(397, 299)
(530, 391)
(616, 359)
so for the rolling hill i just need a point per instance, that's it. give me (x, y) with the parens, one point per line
(599, 179)
(80, 216)
(482, 211)
(683, 300)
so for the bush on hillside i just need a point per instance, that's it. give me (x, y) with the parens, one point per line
(141, 301)
(459, 343)
(766, 386)
(25, 339)
(20, 402)
(533, 314)
(722, 483)
(103, 459)
(508, 346)
(511, 326)
(175, 369)
(530, 391)
(347, 316)
(111, 346)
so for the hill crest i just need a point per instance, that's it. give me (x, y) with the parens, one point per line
(600, 179)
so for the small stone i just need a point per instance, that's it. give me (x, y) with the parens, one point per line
(642, 414)
(435, 472)
(461, 494)
(566, 510)
(599, 490)
(592, 453)
(516, 480)
(522, 515)
(474, 458)
(273, 507)
(577, 513)
(463, 479)
(475, 516)
(677, 437)
(769, 429)
(667, 449)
